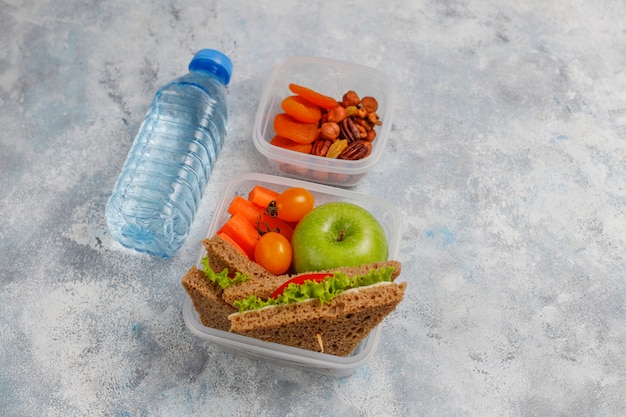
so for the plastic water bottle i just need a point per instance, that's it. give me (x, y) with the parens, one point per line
(169, 163)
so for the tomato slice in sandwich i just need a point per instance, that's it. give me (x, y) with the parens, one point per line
(301, 279)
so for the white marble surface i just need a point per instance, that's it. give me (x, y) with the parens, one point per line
(507, 160)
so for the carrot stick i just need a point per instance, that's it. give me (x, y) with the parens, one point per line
(301, 109)
(245, 207)
(291, 145)
(313, 96)
(288, 127)
(241, 231)
(257, 216)
(234, 244)
(262, 196)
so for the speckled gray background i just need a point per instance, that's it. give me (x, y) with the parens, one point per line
(507, 160)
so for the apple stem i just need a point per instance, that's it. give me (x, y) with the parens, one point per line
(341, 235)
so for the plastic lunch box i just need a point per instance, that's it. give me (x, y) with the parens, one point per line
(333, 78)
(386, 213)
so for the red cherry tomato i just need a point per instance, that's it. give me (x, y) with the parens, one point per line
(273, 252)
(293, 203)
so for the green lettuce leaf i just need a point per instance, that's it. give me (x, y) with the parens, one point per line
(223, 279)
(324, 291)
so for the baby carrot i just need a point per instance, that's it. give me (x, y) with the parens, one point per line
(262, 196)
(241, 231)
(246, 207)
(257, 216)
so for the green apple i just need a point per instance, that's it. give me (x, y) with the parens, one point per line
(337, 234)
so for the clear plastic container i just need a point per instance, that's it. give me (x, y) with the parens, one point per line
(388, 216)
(333, 78)
(162, 181)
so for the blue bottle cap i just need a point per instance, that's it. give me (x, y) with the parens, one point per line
(212, 61)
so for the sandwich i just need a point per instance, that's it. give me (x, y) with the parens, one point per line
(328, 311)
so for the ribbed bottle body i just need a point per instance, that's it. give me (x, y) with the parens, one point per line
(162, 181)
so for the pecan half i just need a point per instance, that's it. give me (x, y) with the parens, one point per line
(349, 130)
(358, 149)
(320, 147)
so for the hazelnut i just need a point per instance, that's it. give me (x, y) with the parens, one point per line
(336, 114)
(330, 131)
(371, 135)
(350, 99)
(369, 103)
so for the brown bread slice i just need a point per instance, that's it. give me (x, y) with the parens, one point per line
(340, 325)
(223, 255)
(262, 282)
(207, 299)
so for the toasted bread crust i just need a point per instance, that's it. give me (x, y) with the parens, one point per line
(222, 255)
(207, 299)
(342, 323)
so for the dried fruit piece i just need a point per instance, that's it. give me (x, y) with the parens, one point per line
(301, 109)
(290, 144)
(313, 96)
(288, 127)
(336, 148)
(350, 111)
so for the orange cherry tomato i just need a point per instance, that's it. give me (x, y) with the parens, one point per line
(293, 203)
(273, 252)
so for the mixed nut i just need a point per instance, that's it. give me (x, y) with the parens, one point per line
(319, 125)
(347, 130)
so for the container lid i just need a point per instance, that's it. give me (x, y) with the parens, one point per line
(214, 62)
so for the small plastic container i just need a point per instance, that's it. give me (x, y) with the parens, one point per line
(388, 216)
(332, 78)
